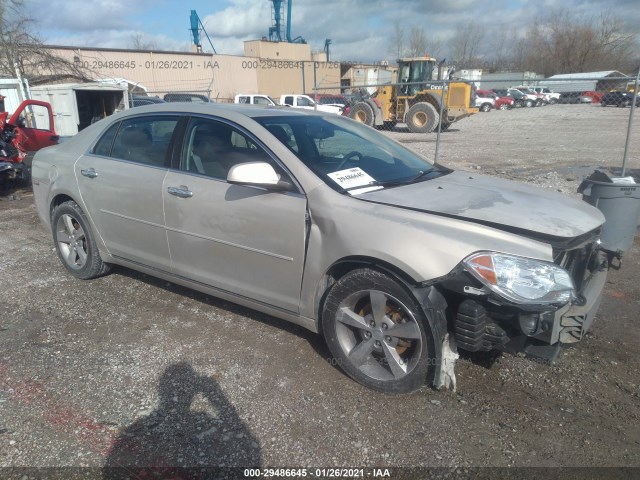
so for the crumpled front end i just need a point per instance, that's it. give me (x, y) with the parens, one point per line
(483, 320)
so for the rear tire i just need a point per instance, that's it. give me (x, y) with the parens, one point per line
(485, 107)
(422, 118)
(378, 333)
(74, 242)
(363, 113)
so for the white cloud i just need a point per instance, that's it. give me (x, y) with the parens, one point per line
(118, 39)
(360, 30)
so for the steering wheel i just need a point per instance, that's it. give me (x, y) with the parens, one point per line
(349, 157)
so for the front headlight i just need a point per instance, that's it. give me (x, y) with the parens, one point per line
(522, 280)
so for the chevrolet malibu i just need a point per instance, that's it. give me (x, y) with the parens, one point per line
(324, 222)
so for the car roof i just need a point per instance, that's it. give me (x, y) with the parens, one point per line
(224, 109)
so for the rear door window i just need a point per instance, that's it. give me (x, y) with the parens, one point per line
(144, 140)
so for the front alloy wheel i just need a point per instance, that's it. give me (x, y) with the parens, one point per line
(377, 332)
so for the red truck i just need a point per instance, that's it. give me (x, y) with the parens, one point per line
(29, 129)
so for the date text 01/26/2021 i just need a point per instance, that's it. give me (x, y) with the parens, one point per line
(317, 472)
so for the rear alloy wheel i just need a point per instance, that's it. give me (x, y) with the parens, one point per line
(74, 242)
(363, 113)
(528, 103)
(422, 118)
(378, 333)
(503, 106)
(485, 107)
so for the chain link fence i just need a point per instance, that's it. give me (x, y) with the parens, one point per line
(579, 121)
(572, 124)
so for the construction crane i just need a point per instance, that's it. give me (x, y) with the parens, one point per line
(327, 42)
(196, 28)
(275, 31)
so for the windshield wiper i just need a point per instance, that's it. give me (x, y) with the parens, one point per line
(433, 172)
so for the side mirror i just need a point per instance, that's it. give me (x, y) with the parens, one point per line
(258, 174)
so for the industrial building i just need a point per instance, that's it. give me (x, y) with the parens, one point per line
(272, 68)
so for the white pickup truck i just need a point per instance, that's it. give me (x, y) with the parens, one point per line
(254, 99)
(304, 101)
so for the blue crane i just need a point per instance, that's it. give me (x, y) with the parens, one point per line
(275, 31)
(196, 26)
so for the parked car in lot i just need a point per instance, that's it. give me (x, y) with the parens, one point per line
(595, 97)
(485, 101)
(254, 99)
(500, 103)
(528, 95)
(569, 97)
(520, 99)
(333, 99)
(187, 97)
(322, 221)
(618, 99)
(550, 96)
(141, 100)
(539, 99)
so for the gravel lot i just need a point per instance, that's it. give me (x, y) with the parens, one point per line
(128, 369)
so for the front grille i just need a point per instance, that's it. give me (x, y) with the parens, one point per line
(580, 261)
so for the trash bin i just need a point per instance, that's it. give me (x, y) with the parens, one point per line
(619, 200)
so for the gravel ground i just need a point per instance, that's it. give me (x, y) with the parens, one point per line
(130, 370)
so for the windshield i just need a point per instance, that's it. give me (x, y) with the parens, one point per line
(349, 156)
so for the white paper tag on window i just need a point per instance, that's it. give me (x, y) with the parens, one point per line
(351, 178)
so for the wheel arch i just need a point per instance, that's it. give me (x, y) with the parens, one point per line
(63, 196)
(59, 199)
(426, 98)
(345, 265)
(430, 298)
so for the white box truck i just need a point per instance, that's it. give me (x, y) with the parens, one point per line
(78, 105)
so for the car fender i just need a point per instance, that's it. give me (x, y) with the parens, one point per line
(421, 247)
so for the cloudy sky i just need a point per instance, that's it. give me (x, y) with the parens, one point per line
(359, 29)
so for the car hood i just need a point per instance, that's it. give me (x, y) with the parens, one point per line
(500, 203)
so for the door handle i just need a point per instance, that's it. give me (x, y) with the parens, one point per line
(89, 173)
(181, 191)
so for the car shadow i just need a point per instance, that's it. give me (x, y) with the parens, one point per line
(178, 441)
(315, 341)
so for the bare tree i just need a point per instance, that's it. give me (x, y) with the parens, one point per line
(22, 52)
(420, 44)
(417, 42)
(565, 43)
(467, 44)
(139, 43)
(396, 46)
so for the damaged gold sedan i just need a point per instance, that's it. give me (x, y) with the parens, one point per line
(324, 222)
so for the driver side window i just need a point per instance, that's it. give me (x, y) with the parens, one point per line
(211, 148)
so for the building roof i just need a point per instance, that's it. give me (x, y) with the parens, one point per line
(589, 75)
(580, 82)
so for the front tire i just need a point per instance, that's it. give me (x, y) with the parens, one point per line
(363, 113)
(422, 118)
(378, 333)
(74, 242)
(485, 107)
